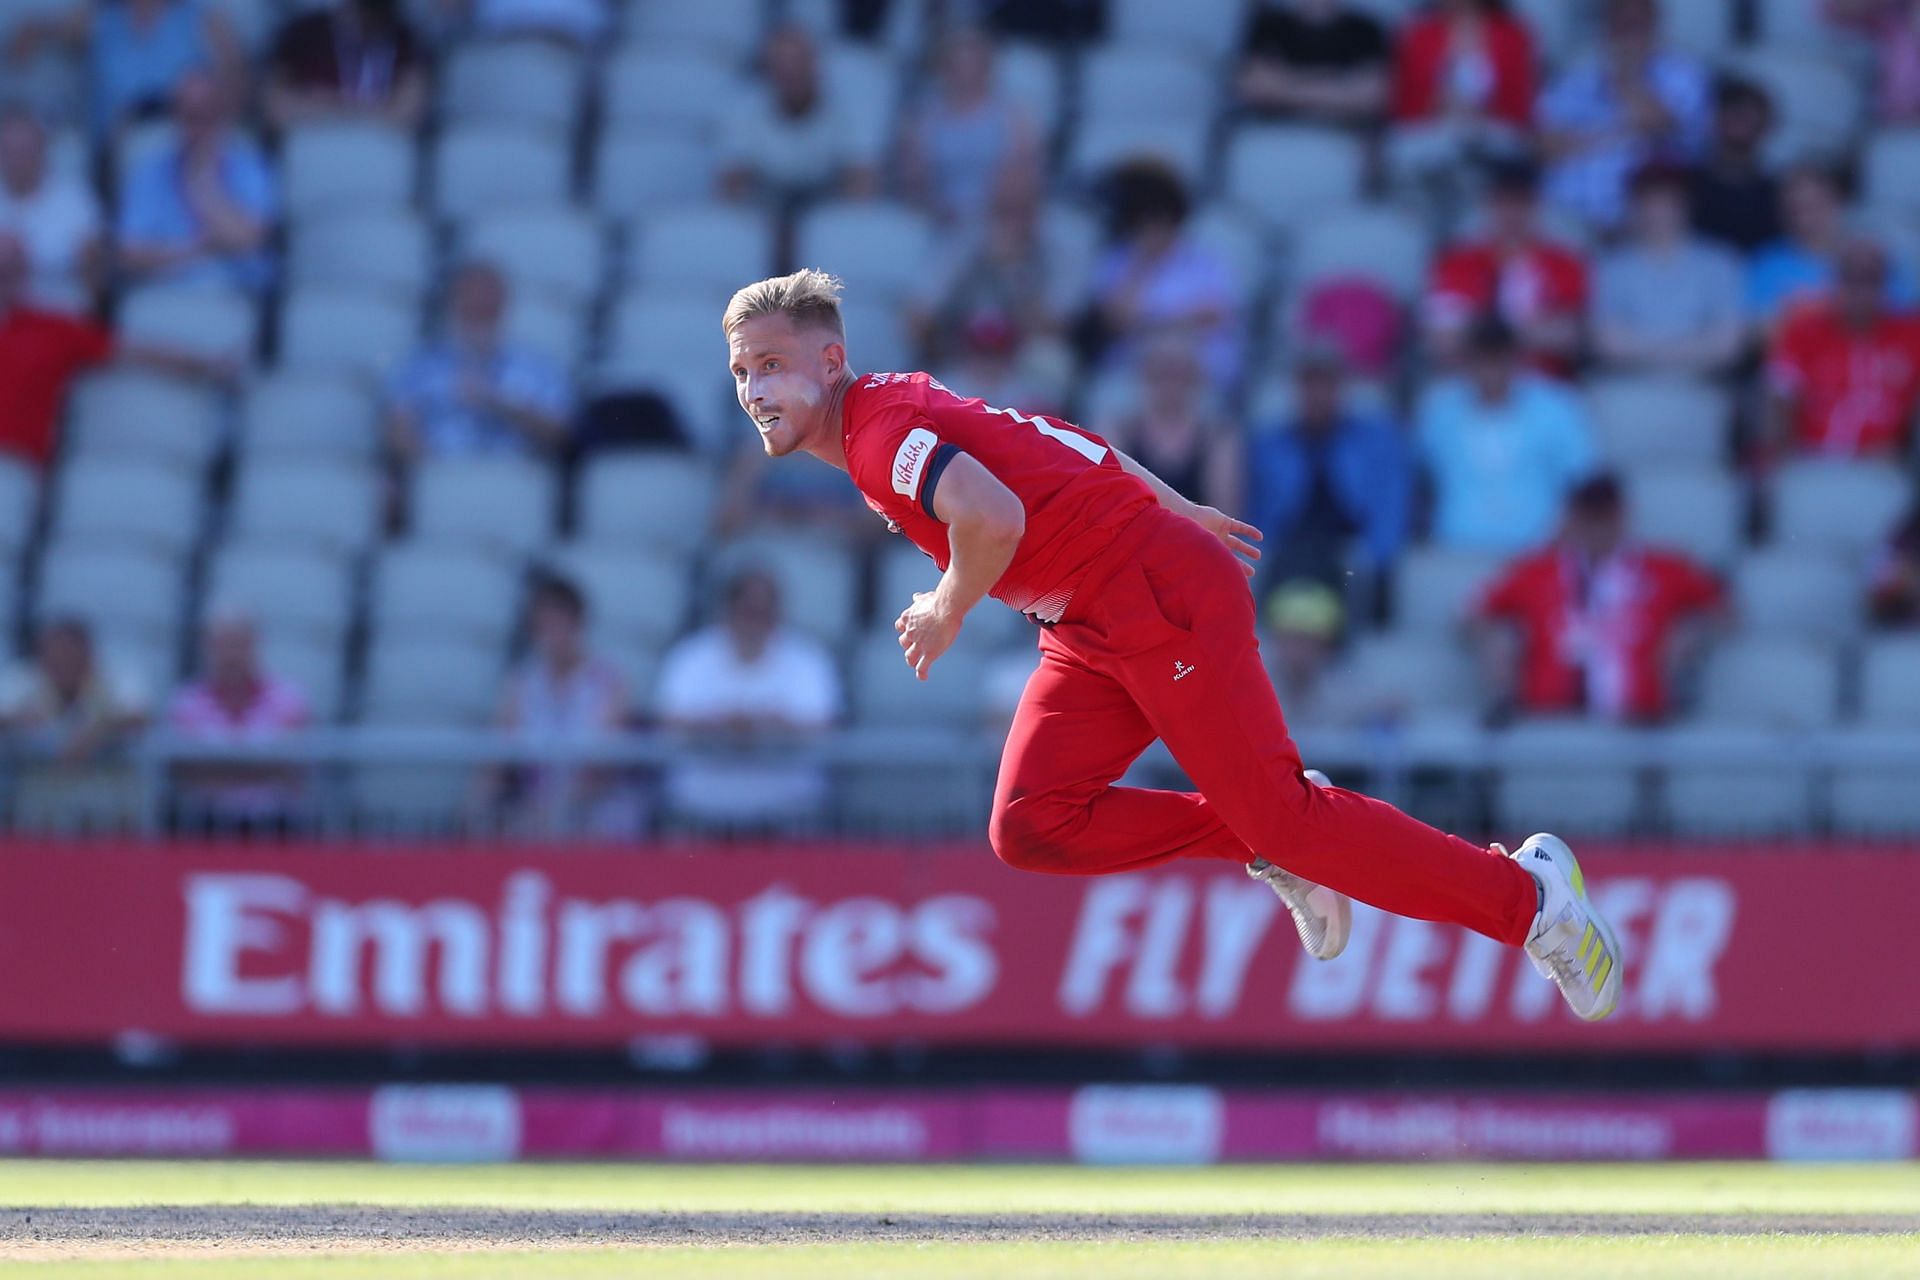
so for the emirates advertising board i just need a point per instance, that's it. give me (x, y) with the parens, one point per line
(1780, 948)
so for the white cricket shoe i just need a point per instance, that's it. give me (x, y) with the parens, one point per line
(1571, 943)
(1322, 917)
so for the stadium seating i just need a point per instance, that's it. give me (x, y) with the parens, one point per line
(306, 415)
(483, 168)
(1834, 505)
(389, 250)
(1784, 593)
(1698, 510)
(507, 504)
(1435, 587)
(557, 251)
(1323, 170)
(1652, 421)
(421, 592)
(657, 499)
(289, 591)
(634, 172)
(511, 82)
(201, 320)
(107, 502)
(818, 580)
(124, 412)
(700, 249)
(638, 596)
(19, 502)
(329, 502)
(1558, 777)
(879, 250)
(362, 333)
(340, 166)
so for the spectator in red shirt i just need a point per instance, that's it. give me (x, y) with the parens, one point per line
(40, 353)
(1463, 86)
(1845, 371)
(1515, 272)
(1602, 623)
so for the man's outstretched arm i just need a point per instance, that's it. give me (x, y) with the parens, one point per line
(1235, 533)
(985, 521)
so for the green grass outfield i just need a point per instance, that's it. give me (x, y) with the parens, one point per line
(1543, 1195)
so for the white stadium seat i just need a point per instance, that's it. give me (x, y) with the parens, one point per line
(288, 590)
(648, 498)
(1374, 242)
(550, 326)
(637, 596)
(1837, 505)
(482, 168)
(19, 503)
(879, 249)
(707, 249)
(1892, 170)
(523, 81)
(865, 88)
(1289, 173)
(135, 595)
(1566, 776)
(1797, 594)
(203, 320)
(353, 166)
(104, 501)
(885, 692)
(125, 412)
(725, 25)
(390, 250)
(1240, 242)
(1435, 587)
(1698, 510)
(331, 330)
(1120, 82)
(504, 504)
(438, 680)
(1177, 142)
(635, 172)
(1030, 75)
(1207, 29)
(309, 414)
(559, 251)
(314, 667)
(1656, 420)
(423, 590)
(329, 502)
(1883, 801)
(650, 87)
(1819, 103)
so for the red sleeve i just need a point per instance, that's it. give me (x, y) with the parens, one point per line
(1578, 283)
(1414, 64)
(1688, 587)
(892, 455)
(1789, 363)
(1513, 88)
(1506, 596)
(88, 344)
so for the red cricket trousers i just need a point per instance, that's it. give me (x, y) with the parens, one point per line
(1159, 643)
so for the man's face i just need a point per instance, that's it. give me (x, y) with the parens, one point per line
(1170, 376)
(1510, 215)
(13, 269)
(479, 300)
(64, 656)
(1491, 372)
(1318, 395)
(230, 650)
(556, 630)
(197, 106)
(782, 376)
(1659, 215)
(790, 66)
(1743, 123)
(1862, 281)
(753, 611)
(1597, 531)
(1631, 28)
(1811, 206)
(23, 152)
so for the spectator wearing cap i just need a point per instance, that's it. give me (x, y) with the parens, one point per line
(1175, 429)
(1503, 447)
(1667, 300)
(236, 701)
(1154, 276)
(1463, 88)
(1331, 487)
(1845, 372)
(473, 391)
(202, 209)
(351, 60)
(1734, 198)
(965, 134)
(1799, 267)
(563, 693)
(1602, 623)
(54, 216)
(1618, 107)
(1303, 620)
(1512, 269)
(1324, 61)
(748, 682)
(1893, 591)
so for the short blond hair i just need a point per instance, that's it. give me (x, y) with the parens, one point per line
(807, 297)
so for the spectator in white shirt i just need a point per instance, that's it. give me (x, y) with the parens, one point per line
(1667, 300)
(786, 139)
(748, 682)
(53, 215)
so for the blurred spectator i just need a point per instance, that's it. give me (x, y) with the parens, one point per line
(1893, 593)
(1462, 90)
(1603, 623)
(996, 310)
(784, 139)
(1304, 619)
(1175, 431)
(1666, 300)
(965, 133)
(236, 702)
(1319, 60)
(138, 51)
(1513, 271)
(1618, 107)
(1503, 447)
(1800, 267)
(202, 209)
(53, 215)
(472, 391)
(1329, 485)
(748, 682)
(354, 59)
(564, 693)
(1893, 27)
(1734, 198)
(1845, 373)
(67, 705)
(1154, 276)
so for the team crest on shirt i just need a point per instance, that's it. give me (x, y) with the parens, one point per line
(910, 461)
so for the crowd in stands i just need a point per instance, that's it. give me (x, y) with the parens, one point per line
(362, 361)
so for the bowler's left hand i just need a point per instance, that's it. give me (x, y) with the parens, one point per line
(927, 630)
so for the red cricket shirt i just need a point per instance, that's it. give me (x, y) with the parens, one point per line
(40, 352)
(901, 430)
(1596, 639)
(1856, 389)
